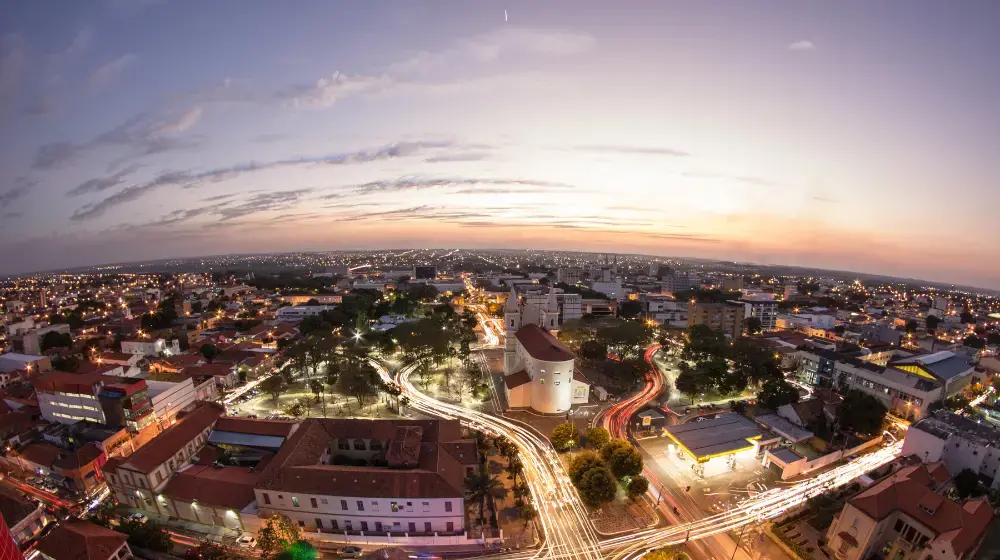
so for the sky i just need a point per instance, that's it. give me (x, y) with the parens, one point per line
(850, 135)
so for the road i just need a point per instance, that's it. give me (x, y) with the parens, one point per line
(567, 529)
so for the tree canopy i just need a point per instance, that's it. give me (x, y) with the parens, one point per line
(622, 458)
(861, 413)
(565, 436)
(776, 393)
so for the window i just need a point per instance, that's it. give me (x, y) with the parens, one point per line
(267, 499)
(295, 501)
(447, 506)
(323, 501)
(302, 523)
(364, 525)
(378, 526)
(394, 507)
(413, 527)
(376, 445)
(348, 525)
(427, 526)
(359, 445)
(374, 505)
(409, 506)
(343, 505)
(334, 525)
(427, 506)
(450, 527)
(312, 502)
(361, 506)
(319, 523)
(342, 444)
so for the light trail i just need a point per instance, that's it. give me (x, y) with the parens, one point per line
(567, 530)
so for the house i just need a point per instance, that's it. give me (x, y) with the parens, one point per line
(81, 468)
(907, 516)
(79, 540)
(25, 518)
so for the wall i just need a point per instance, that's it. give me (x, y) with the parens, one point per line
(330, 508)
(804, 467)
(171, 397)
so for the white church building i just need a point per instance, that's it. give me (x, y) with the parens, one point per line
(539, 371)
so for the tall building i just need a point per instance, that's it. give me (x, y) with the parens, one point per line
(9, 549)
(120, 402)
(569, 276)
(539, 371)
(766, 310)
(725, 317)
(732, 284)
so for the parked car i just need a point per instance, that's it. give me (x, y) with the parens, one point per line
(139, 517)
(246, 541)
(349, 552)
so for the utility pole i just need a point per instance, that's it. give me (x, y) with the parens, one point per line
(738, 542)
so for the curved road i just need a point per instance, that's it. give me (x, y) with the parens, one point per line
(567, 529)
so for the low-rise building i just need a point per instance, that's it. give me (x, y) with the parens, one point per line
(412, 481)
(79, 540)
(25, 518)
(151, 347)
(299, 312)
(958, 442)
(136, 478)
(907, 516)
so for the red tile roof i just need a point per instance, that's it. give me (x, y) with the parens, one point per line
(81, 457)
(170, 441)
(541, 345)
(44, 454)
(516, 379)
(79, 540)
(80, 383)
(225, 487)
(912, 487)
(282, 428)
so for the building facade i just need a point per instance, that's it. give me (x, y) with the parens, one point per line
(724, 317)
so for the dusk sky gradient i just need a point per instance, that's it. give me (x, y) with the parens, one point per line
(851, 135)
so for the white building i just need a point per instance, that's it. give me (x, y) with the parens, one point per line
(31, 340)
(171, 397)
(763, 308)
(539, 370)
(412, 484)
(665, 310)
(612, 289)
(150, 347)
(569, 276)
(299, 312)
(959, 442)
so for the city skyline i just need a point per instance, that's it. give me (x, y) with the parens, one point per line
(851, 137)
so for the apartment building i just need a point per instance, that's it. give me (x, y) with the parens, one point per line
(907, 386)
(569, 276)
(664, 310)
(135, 479)
(299, 312)
(68, 398)
(765, 310)
(907, 516)
(725, 317)
(411, 481)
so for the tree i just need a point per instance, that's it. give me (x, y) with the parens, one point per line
(565, 436)
(622, 458)
(776, 393)
(312, 324)
(973, 341)
(593, 350)
(480, 487)
(932, 322)
(630, 309)
(690, 382)
(56, 340)
(753, 362)
(966, 317)
(208, 351)
(752, 325)
(967, 484)
(598, 437)
(526, 513)
(993, 338)
(295, 410)
(146, 535)
(66, 363)
(300, 550)
(209, 550)
(359, 380)
(703, 343)
(637, 487)
(861, 413)
(279, 533)
(582, 463)
(597, 486)
(666, 554)
(911, 326)
(273, 386)
(626, 339)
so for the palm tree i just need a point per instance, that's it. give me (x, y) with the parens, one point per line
(514, 468)
(483, 487)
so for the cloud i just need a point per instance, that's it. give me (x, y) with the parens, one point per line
(327, 91)
(637, 150)
(183, 122)
(802, 46)
(80, 45)
(146, 133)
(21, 187)
(187, 179)
(492, 46)
(12, 63)
(262, 203)
(102, 183)
(406, 73)
(106, 73)
(413, 183)
(457, 157)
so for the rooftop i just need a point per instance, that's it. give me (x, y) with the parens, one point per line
(222, 487)
(80, 540)
(942, 365)
(723, 435)
(170, 441)
(541, 345)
